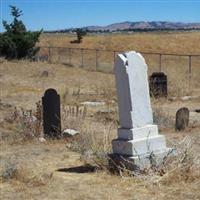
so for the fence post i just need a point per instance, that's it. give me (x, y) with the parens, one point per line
(190, 71)
(70, 56)
(49, 54)
(82, 65)
(160, 62)
(114, 52)
(96, 59)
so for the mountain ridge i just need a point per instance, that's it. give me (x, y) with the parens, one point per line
(144, 25)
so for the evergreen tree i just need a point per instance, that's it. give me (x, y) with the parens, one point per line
(16, 41)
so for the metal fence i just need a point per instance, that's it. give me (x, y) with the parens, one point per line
(183, 71)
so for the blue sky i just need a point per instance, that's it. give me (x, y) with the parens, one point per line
(60, 14)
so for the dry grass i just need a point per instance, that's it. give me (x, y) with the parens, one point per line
(11, 170)
(34, 170)
(175, 43)
(25, 125)
(37, 176)
(23, 85)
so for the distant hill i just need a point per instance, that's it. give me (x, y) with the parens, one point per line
(145, 26)
(138, 26)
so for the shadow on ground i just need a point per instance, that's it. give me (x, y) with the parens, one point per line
(79, 169)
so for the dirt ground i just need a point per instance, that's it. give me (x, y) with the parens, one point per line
(51, 170)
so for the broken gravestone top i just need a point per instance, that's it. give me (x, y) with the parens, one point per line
(133, 90)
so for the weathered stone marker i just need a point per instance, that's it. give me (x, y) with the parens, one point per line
(51, 113)
(158, 84)
(182, 119)
(137, 138)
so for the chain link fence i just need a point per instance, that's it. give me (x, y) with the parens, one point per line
(183, 71)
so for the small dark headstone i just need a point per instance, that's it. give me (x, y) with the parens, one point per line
(51, 113)
(182, 119)
(45, 74)
(158, 84)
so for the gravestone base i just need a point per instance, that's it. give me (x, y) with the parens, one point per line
(137, 133)
(137, 145)
(137, 163)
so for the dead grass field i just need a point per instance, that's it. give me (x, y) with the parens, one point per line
(64, 169)
(174, 42)
(185, 43)
(29, 169)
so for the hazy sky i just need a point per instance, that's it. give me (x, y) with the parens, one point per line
(60, 14)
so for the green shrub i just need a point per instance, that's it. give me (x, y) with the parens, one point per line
(80, 33)
(16, 41)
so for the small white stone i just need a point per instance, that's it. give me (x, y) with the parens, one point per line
(186, 98)
(70, 132)
(41, 139)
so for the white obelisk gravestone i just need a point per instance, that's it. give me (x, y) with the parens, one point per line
(137, 137)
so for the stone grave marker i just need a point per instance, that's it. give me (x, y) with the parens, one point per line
(158, 84)
(138, 137)
(51, 113)
(182, 119)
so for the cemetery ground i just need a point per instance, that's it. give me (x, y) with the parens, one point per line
(76, 168)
